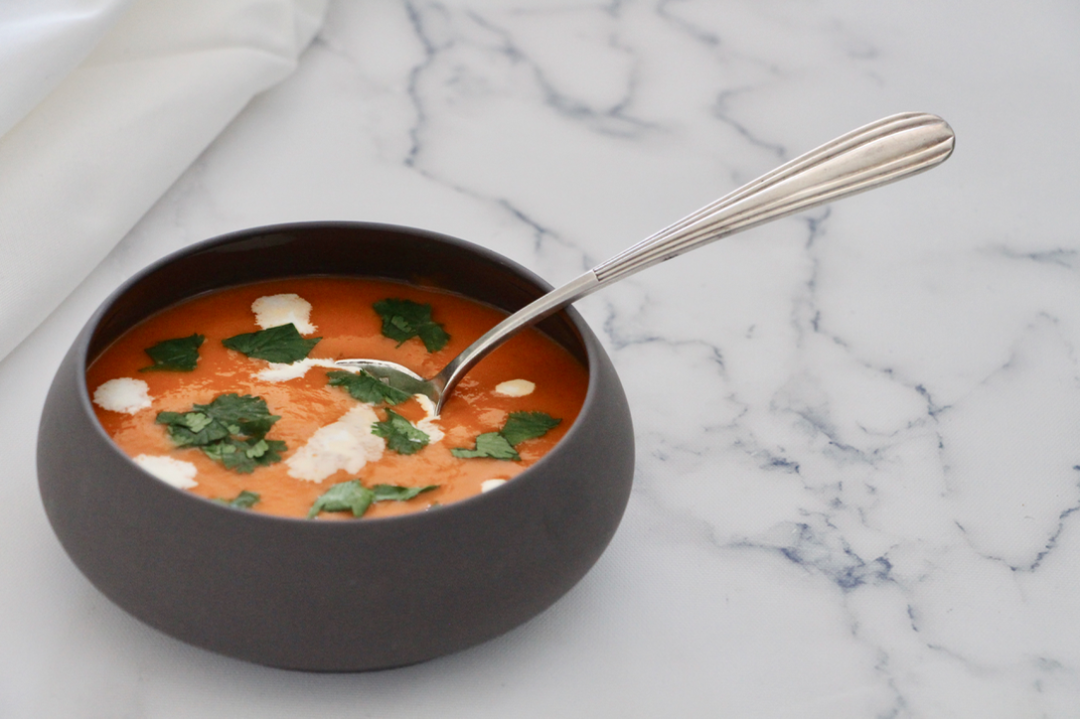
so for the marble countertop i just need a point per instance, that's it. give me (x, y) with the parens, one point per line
(858, 475)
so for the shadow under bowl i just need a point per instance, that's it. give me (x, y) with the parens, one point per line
(333, 596)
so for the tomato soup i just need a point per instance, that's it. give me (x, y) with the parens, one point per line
(209, 395)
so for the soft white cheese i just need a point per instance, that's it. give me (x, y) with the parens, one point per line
(427, 424)
(123, 394)
(515, 388)
(346, 444)
(176, 472)
(489, 484)
(275, 310)
(281, 372)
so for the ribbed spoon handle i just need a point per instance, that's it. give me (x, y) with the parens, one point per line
(884, 151)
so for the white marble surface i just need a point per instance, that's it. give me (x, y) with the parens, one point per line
(858, 469)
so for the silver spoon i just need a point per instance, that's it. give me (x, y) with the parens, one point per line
(881, 152)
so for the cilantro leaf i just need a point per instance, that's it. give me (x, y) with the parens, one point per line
(400, 434)
(392, 492)
(433, 336)
(344, 497)
(231, 430)
(245, 455)
(282, 344)
(241, 414)
(354, 497)
(175, 355)
(366, 387)
(519, 426)
(489, 444)
(192, 429)
(404, 319)
(244, 500)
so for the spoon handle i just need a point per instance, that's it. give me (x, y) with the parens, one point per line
(884, 151)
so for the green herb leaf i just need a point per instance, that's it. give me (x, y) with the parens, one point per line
(282, 344)
(490, 444)
(392, 492)
(242, 414)
(196, 421)
(519, 426)
(354, 497)
(346, 496)
(192, 429)
(433, 335)
(400, 434)
(244, 500)
(231, 430)
(366, 387)
(175, 355)
(245, 455)
(404, 319)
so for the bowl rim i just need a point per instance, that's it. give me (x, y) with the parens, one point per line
(461, 506)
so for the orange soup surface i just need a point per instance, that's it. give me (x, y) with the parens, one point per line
(510, 410)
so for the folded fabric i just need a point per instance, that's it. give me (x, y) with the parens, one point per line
(41, 41)
(109, 102)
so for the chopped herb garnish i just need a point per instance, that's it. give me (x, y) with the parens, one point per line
(282, 344)
(519, 426)
(175, 355)
(404, 319)
(489, 444)
(400, 434)
(231, 430)
(392, 492)
(343, 497)
(244, 455)
(244, 500)
(366, 387)
(354, 497)
(192, 429)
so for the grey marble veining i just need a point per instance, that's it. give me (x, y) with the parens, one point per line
(858, 476)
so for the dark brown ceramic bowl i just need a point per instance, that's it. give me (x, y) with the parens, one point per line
(333, 596)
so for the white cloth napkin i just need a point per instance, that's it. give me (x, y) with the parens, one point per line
(103, 105)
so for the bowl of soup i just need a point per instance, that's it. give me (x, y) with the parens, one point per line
(210, 469)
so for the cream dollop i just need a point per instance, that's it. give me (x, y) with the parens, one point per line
(428, 424)
(176, 472)
(281, 372)
(489, 484)
(276, 310)
(515, 388)
(123, 394)
(346, 444)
